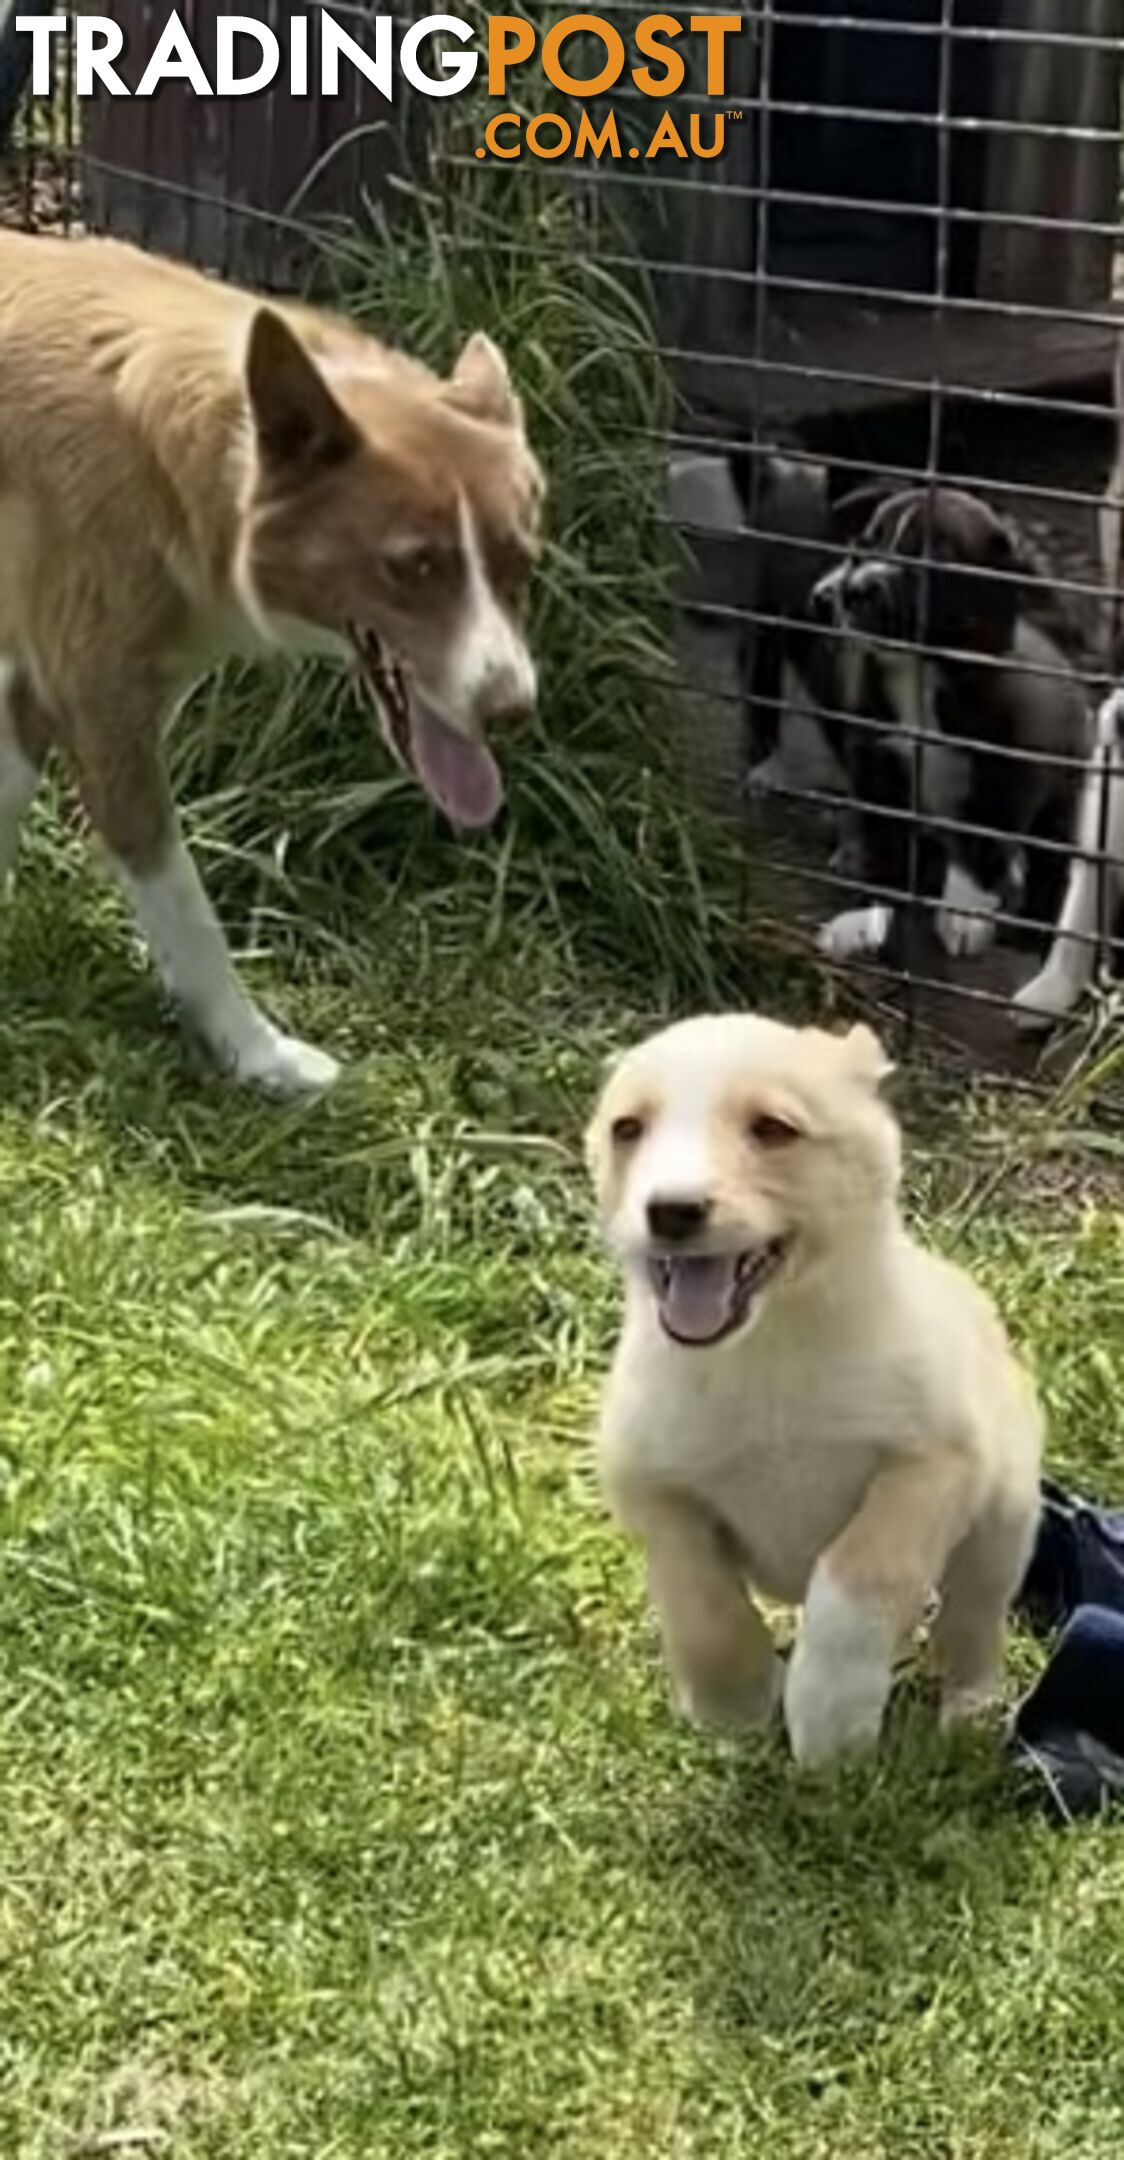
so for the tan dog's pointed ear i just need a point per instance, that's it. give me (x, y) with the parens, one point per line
(300, 428)
(481, 386)
(865, 1056)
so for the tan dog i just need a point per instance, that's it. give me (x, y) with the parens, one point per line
(187, 473)
(803, 1402)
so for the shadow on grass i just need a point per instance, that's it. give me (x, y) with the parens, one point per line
(444, 1045)
(806, 1887)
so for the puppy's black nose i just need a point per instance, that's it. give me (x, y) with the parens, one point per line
(676, 1220)
(821, 605)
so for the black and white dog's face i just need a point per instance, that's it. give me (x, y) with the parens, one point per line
(937, 568)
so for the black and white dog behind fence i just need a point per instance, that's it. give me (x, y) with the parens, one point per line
(941, 664)
(915, 656)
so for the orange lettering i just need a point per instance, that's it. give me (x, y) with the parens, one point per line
(717, 134)
(578, 85)
(716, 29)
(649, 40)
(588, 138)
(511, 40)
(549, 120)
(491, 134)
(666, 137)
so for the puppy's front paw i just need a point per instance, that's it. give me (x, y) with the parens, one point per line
(971, 1705)
(857, 930)
(839, 1674)
(966, 921)
(284, 1066)
(737, 1701)
(831, 1708)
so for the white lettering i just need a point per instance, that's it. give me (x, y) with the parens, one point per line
(335, 42)
(298, 56)
(457, 69)
(230, 27)
(174, 60)
(41, 29)
(98, 42)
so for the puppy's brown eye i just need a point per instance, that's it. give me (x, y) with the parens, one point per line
(411, 566)
(773, 1132)
(626, 1131)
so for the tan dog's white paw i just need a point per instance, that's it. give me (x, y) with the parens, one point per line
(283, 1065)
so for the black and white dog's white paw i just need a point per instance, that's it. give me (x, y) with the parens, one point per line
(966, 917)
(848, 860)
(1053, 994)
(767, 776)
(856, 931)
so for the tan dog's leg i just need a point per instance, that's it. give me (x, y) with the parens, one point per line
(21, 765)
(125, 789)
(723, 1666)
(867, 1591)
(983, 1576)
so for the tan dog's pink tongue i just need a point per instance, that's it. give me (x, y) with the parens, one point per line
(462, 777)
(696, 1301)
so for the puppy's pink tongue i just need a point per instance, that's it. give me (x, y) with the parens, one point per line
(695, 1300)
(460, 776)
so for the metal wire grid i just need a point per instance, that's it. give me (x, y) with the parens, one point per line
(933, 393)
(734, 325)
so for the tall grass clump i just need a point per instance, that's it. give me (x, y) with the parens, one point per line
(290, 781)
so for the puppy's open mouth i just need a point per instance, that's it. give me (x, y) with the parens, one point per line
(702, 1298)
(458, 774)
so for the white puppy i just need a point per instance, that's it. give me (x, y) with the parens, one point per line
(803, 1402)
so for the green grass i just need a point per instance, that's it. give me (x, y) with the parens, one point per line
(343, 1812)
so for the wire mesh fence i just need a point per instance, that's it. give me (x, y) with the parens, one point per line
(911, 431)
(889, 311)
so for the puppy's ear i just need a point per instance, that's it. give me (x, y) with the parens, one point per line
(480, 385)
(865, 1057)
(1002, 548)
(857, 1055)
(852, 513)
